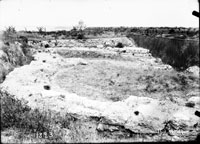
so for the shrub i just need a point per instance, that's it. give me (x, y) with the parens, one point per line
(41, 30)
(80, 35)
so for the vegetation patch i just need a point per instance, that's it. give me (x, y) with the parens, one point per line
(168, 83)
(33, 124)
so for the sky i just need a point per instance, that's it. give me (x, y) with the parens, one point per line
(52, 14)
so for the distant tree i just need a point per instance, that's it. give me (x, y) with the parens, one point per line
(41, 30)
(9, 35)
(80, 26)
(25, 29)
(10, 30)
(78, 31)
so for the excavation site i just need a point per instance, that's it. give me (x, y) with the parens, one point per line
(85, 71)
(108, 94)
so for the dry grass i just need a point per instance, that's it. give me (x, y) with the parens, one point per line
(169, 84)
(22, 124)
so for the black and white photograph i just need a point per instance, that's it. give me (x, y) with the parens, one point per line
(96, 71)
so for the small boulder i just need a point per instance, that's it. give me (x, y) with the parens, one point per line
(194, 70)
(99, 46)
(100, 127)
(193, 101)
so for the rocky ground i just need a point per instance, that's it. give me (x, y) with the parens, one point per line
(118, 94)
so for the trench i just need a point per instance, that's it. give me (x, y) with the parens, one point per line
(179, 53)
